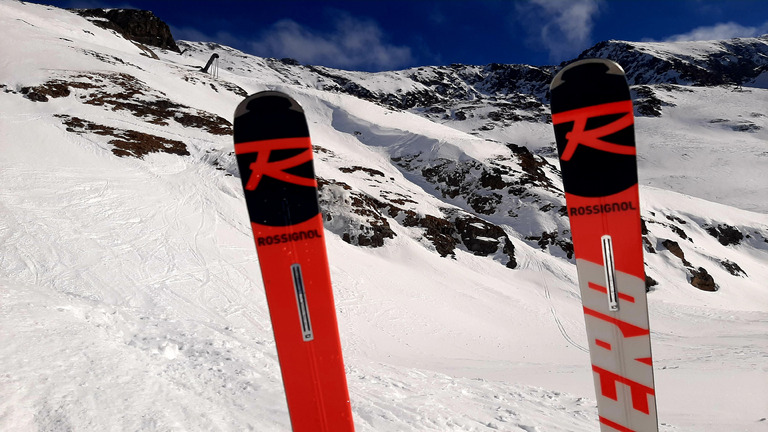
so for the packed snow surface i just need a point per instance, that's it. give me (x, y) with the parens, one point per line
(131, 297)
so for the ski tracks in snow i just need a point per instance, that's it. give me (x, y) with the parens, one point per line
(535, 262)
(389, 399)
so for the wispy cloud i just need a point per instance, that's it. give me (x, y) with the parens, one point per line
(562, 27)
(727, 30)
(352, 43)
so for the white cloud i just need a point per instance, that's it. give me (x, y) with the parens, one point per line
(562, 27)
(720, 31)
(353, 43)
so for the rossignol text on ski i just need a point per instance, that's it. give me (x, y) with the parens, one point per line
(274, 156)
(592, 115)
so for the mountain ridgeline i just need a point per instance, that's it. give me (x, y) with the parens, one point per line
(488, 204)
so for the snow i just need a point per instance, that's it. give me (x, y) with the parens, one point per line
(707, 156)
(131, 299)
(684, 49)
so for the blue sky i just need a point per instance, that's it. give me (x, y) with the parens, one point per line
(375, 35)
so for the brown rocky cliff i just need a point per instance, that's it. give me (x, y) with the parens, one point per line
(137, 25)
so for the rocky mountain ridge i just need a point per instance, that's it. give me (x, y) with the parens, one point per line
(495, 96)
(735, 62)
(439, 90)
(140, 26)
(488, 202)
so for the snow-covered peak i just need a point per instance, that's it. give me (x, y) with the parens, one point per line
(738, 61)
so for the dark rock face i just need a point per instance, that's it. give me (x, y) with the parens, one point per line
(554, 238)
(479, 236)
(532, 167)
(703, 280)
(440, 232)
(700, 278)
(363, 220)
(365, 224)
(137, 25)
(675, 250)
(650, 283)
(516, 91)
(726, 234)
(43, 92)
(733, 268)
(126, 142)
(737, 62)
(123, 92)
(646, 102)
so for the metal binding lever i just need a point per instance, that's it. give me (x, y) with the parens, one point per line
(610, 272)
(301, 301)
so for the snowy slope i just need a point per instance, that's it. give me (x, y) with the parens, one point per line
(130, 295)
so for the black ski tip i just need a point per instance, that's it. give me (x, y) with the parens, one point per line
(591, 169)
(269, 115)
(609, 67)
(588, 82)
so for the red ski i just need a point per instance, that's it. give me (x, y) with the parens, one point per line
(594, 128)
(274, 155)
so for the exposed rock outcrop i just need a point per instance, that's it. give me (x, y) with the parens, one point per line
(702, 280)
(725, 234)
(363, 220)
(126, 142)
(137, 25)
(123, 92)
(727, 62)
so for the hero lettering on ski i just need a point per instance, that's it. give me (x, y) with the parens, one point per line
(594, 129)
